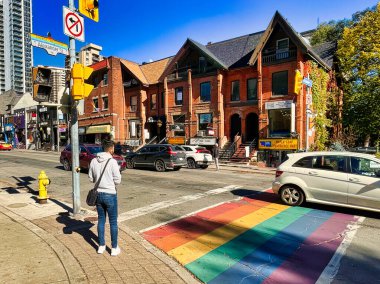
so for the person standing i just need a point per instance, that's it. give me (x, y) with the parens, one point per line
(215, 155)
(107, 195)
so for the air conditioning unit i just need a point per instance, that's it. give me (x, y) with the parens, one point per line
(201, 133)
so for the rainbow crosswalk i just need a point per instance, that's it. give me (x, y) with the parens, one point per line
(254, 240)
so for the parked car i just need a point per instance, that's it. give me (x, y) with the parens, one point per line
(86, 154)
(5, 146)
(122, 149)
(197, 156)
(337, 178)
(158, 156)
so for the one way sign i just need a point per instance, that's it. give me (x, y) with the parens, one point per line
(73, 24)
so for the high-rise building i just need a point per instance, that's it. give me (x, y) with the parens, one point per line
(88, 55)
(16, 58)
(58, 82)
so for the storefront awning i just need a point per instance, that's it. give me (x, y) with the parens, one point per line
(94, 129)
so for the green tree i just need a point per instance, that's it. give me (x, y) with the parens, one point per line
(333, 30)
(359, 61)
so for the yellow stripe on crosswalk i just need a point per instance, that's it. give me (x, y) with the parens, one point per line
(204, 244)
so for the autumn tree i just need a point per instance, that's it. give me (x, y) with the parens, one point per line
(359, 62)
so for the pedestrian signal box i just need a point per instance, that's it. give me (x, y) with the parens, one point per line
(80, 89)
(41, 84)
(89, 9)
(297, 82)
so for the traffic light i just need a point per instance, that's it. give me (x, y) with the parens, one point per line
(41, 84)
(297, 82)
(89, 9)
(80, 73)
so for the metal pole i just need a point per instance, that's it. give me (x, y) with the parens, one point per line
(74, 134)
(58, 135)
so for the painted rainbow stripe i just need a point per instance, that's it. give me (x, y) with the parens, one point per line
(49, 40)
(254, 241)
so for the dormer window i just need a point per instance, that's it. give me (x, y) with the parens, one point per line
(282, 48)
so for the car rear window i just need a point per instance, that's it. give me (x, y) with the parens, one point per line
(95, 149)
(305, 162)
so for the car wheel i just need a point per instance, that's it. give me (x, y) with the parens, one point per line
(176, 168)
(191, 163)
(66, 165)
(130, 164)
(160, 166)
(292, 195)
(204, 167)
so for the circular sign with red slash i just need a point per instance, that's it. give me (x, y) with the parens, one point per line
(73, 24)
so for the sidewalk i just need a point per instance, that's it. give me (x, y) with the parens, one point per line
(43, 244)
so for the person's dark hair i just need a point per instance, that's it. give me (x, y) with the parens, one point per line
(107, 144)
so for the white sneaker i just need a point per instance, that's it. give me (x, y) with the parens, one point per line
(101, 249)
(115, 251)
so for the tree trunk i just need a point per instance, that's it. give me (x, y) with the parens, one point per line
(367, 140)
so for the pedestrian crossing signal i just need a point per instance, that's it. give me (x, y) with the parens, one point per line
(80, 89)
(298, 82)
(89, 9)
(41, 84)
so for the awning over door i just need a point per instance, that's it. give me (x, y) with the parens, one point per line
(94, 129)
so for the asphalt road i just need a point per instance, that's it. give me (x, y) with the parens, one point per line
(148, 199)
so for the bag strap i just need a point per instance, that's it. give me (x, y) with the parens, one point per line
(101, 175)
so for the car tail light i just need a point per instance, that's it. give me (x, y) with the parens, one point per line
(171, 152)
(278, 173)
(205, 151)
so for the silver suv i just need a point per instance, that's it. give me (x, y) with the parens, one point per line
(336, 178)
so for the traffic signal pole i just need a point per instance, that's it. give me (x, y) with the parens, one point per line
(75, 169)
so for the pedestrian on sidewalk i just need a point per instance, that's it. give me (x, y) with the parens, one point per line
(215, 155)
(107, 195)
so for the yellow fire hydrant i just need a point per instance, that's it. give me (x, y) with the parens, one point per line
(43, 181)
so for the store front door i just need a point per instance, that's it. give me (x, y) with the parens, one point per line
(235, 126)
(252, 127)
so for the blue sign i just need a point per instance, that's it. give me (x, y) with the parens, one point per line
(307, 82)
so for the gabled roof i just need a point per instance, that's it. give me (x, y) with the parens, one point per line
(326, 51)
(136, 71)
(232, 51)
(153, 70)
(202, 49)
(294, 36)
(8, 98)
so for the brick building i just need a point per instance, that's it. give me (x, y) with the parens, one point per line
(239, 89)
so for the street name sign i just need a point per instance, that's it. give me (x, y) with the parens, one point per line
(52, 47)
(73, 24)
(307, 82)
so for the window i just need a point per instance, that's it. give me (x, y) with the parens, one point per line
(133, 103)
(280, 83)
(331, 163)
(179, 125)
(365, 167)
(205, 92)
(105, 79)
(162, 100)
(105, 103)
(205, 120)
(235, 91)
(304, 162)
(153, 101)
(134, 129)
(178, 95)
(282, 48)
(279, 122)
(252, 89)
(202, 64)
(95, 104)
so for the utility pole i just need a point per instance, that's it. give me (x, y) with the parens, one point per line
(75, 169)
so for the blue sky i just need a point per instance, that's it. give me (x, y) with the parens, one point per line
(150, 30)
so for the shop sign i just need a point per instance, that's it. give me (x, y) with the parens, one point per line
(278, 105)
(62, 129)
(202, 141)
(176, 140)
(8, 127)
(44, 123)
(278, 144)
(95, 129)
(43, 109)
(133, 142)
